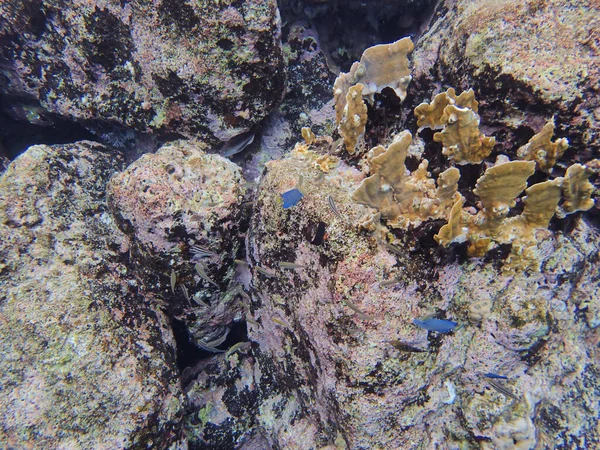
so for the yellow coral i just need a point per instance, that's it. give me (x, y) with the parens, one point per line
(577, 190)
(380, 66)
(461, 138)
(374, 193)
(390, 163)
(448, 185)
(453, 231)
(308, 135)
(354, 119)
(415, 196)
(430, 115)
(500, 185)
(540, 203)
(326, 163)
(542, 150)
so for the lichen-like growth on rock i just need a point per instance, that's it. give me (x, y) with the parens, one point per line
(542, 150)
(380, 66)
(354, 119)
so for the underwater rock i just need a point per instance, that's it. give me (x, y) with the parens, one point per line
(222, 402)
(529, 60)
(325, 365)
(182, 209)
(206, 69)
(86, 361)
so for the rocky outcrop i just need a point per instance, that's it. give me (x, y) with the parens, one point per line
(183, 210)
(87, 362)
(339, 356)
(528, 60)
(205, 69)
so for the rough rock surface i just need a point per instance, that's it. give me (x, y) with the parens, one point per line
(307, 103)
(222, 403)
(169, 202)
(86, 361)
(207, 69)
(528, 60)
(325, 371)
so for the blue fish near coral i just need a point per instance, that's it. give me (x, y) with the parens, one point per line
(493, 375)
(438, 325)
(291, 198)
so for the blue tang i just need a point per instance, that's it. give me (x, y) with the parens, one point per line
(291, 198)
(439, 325)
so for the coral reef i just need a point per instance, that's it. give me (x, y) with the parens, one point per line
(354, 118)
(402, 199)
(87, 362)
(380, 66)
(328, 371)
(462, 142)
(526, 72)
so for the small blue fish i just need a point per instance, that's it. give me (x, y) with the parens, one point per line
(493, 375)
(439, 325)
(291, 198)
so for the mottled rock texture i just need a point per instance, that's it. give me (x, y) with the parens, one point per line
(204, 69)
(527, 61)
(169, 202)
(86, 361)
(325, 370)
(222, 403)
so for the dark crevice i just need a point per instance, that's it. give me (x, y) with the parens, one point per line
(189, 354)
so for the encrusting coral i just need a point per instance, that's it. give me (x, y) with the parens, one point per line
(542, 150)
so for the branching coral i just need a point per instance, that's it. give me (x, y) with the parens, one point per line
(542, 150)
(354, 119)
(577, 190)
(380, 66)
(430, 115)
(460, 138)
(405, 198)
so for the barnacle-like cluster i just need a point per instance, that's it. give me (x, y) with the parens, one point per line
(403, 198)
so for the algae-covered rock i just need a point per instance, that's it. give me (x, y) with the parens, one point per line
(338, 354)
(206, 69)
(530, 60)
(86, 361)
(222, 401)
(182, 209)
